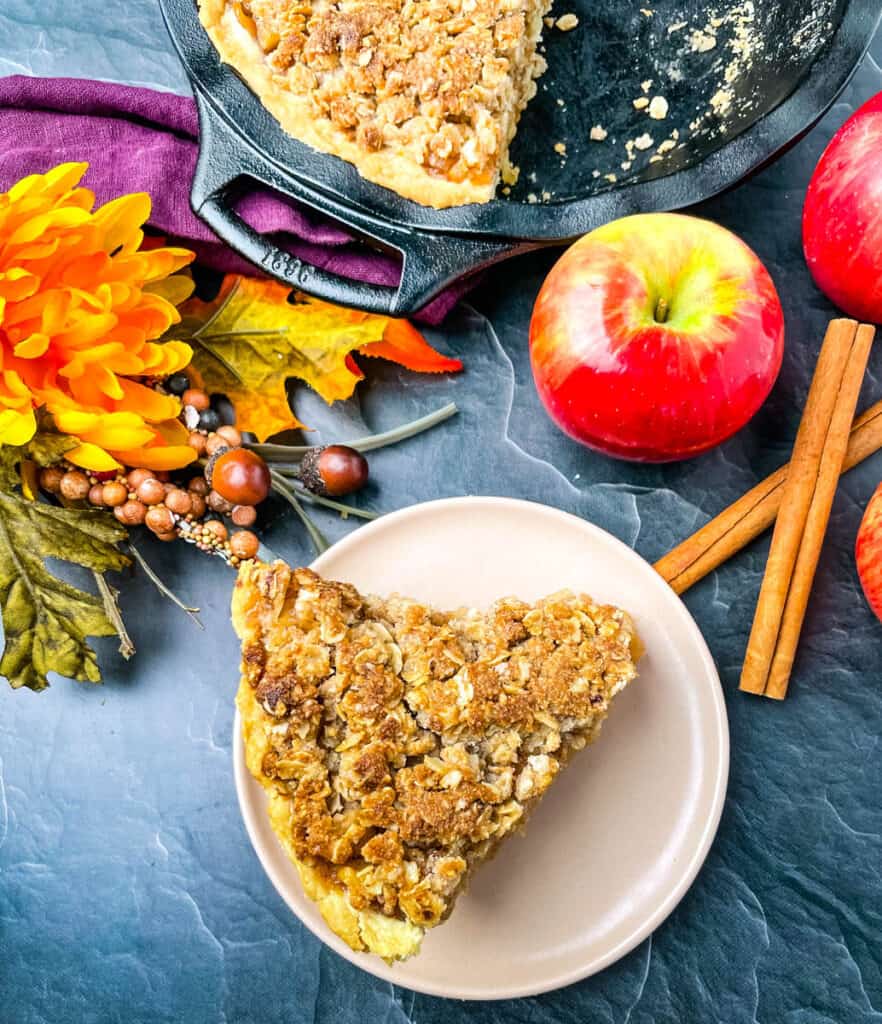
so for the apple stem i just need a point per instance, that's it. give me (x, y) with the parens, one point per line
(662, 309)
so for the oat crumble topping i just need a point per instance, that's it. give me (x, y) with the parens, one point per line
(438, 84)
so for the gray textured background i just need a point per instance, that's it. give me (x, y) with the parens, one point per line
(128, 889)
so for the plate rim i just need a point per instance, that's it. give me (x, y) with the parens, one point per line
(245, 782)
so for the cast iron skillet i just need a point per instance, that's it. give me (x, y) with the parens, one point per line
(733, 106)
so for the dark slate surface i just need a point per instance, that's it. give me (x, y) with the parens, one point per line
(128, 889)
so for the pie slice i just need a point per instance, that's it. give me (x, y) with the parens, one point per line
(422, 96)
(400, 745)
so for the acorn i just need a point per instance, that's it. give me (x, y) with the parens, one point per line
(333, 470)
(238, 475)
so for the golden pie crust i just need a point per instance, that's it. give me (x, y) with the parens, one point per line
(399, 745)
(422, 96)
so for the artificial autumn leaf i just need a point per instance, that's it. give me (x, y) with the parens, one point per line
(47, 448)
(45, 620)
(250, 340)
(403, 344)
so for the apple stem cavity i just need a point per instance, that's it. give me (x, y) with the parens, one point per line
(662, 311)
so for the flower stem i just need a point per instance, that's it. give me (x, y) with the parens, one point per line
(289, 453)
(281, 485)
(319, 499)
(111, 609)
(161, 587)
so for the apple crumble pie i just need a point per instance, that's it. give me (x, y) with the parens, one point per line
(422, 96)
(398, 745)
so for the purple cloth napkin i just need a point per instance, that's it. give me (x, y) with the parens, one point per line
(140, 140)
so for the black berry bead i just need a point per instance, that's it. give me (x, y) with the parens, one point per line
(224, 408)
(209, 420)
(178, 383)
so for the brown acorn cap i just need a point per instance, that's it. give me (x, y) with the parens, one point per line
(209, 466)
(309, 473)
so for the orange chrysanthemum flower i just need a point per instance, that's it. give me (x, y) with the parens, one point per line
(81, 307)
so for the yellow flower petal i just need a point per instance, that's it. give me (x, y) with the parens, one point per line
(14, 386)
(86, 330)
(17, 284)
(45, 223)
(158, 458)
(90, 456)
(17, 427)
(34, 346)
(75, 421)
(172, 432)
(116, 436)
(30, 479)
(167, 358)
(175, 289)
(150, 404)
(121, 219)
(107, 381)
(57, 181)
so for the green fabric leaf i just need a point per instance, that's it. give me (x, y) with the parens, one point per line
(47, 449)
(45, 620)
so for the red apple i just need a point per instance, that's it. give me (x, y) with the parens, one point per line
(656, 337)
(868, 552)
(842, 218)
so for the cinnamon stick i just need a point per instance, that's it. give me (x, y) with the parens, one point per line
(818, 516)
(752, 514)
(818, 453)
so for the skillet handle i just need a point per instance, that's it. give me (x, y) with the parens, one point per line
(429, 263)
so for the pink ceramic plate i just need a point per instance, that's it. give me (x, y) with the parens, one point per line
(621, 835)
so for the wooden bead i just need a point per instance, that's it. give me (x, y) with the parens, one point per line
(114, 494)
(159, 519)
(244, 515)
(197, 442)
(178, 501)
(74, 485)
(230, 435)
(197, 505)
(244, 544)
(214, 442)
(150, 491)
(219, 504)
(50, 479)
(131, 513)
(217, 528)
(136, 477)
(197, 398)
(96, 495)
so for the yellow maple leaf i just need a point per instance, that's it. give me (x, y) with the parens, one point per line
(251, 339)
